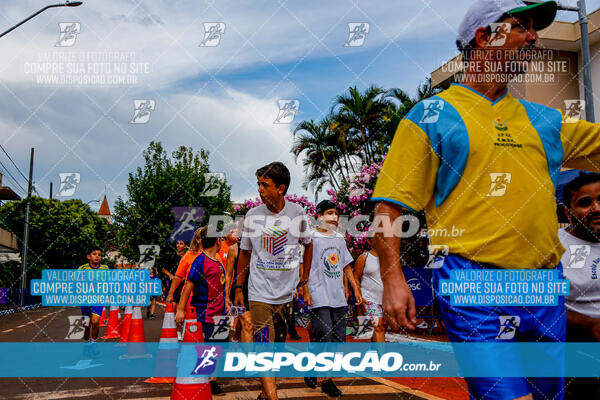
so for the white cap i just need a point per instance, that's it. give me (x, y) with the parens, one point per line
(483, 13)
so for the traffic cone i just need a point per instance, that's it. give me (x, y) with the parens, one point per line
(103, 317)
(112, 330)
(166, 358)
(192, 388)
(125, 325)
(190, 316)
(136, 342)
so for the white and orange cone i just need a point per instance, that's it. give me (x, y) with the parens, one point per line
(166, 359)
(136, 342)
(192, 388)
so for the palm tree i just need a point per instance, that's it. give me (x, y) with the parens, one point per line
(359, 119)
(317, 142)
(399, 105)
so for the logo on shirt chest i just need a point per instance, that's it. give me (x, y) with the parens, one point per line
(503, 136)
(331, 261)
(273, 240)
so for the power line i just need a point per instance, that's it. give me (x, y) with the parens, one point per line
(13, 163)
(12, 177)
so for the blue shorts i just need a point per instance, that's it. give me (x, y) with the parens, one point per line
(483, 324)
(87, 311)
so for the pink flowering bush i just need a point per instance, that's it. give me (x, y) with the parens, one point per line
(354, 200)
(301, 200)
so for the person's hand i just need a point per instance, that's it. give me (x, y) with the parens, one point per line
(180, 316)
(307, 297)
(399, 304)
(359, 299)
(346, 293)
(227, 305)
(239, 297)
(169, 298)
(296, 294)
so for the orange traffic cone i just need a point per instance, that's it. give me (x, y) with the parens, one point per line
(103, 317)
(190, 316)
(125, 325)
(112, 330)
(136, 342)
(192, 388)
(166, 358)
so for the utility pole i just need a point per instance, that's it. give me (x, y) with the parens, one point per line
(585, 60)
(585, 53)
(50, 194)
(26, 232)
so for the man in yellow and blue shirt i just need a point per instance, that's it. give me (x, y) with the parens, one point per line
(94, 312)
(485, 165)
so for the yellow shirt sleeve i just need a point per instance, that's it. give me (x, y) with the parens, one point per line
(408, 174)
(581, 145)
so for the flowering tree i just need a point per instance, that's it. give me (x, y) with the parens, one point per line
(354, 201)
(301, 200)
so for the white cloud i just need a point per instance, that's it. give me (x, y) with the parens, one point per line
(85, 128)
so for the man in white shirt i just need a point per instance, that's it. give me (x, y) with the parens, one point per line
(269, 251)
(581, 261)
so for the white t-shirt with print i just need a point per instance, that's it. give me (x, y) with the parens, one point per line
(581, 266)
(326, 280)
(275, 261)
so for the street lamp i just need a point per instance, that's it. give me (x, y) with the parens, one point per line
(67, 4)
(585, 53)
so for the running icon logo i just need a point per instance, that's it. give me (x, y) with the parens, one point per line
(212, 34)
(287, 111)
(574, 110)
(148, 254)
(273, 240)
(68, 183)
(68, 34)
(500, 31)
(358, 34)
(431, 111)
(499, 183)
(207, 359)
(77, 327)
(212, 183)
(437, 255)
(186, 221)
(142, 110)
(221, 329)
(508, 326)
(578, 255)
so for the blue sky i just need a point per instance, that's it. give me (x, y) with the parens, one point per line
(221, 98)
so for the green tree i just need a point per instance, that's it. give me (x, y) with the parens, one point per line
(316, 141)
(399, 105)
(359, 117)
(145, 216)
(60, 234)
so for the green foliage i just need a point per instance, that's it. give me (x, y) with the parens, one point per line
(358, 131)
(59, 235)
(145, 216)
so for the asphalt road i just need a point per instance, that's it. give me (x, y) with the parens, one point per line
(50, 324)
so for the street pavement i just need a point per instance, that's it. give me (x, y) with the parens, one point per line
(50, 324)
